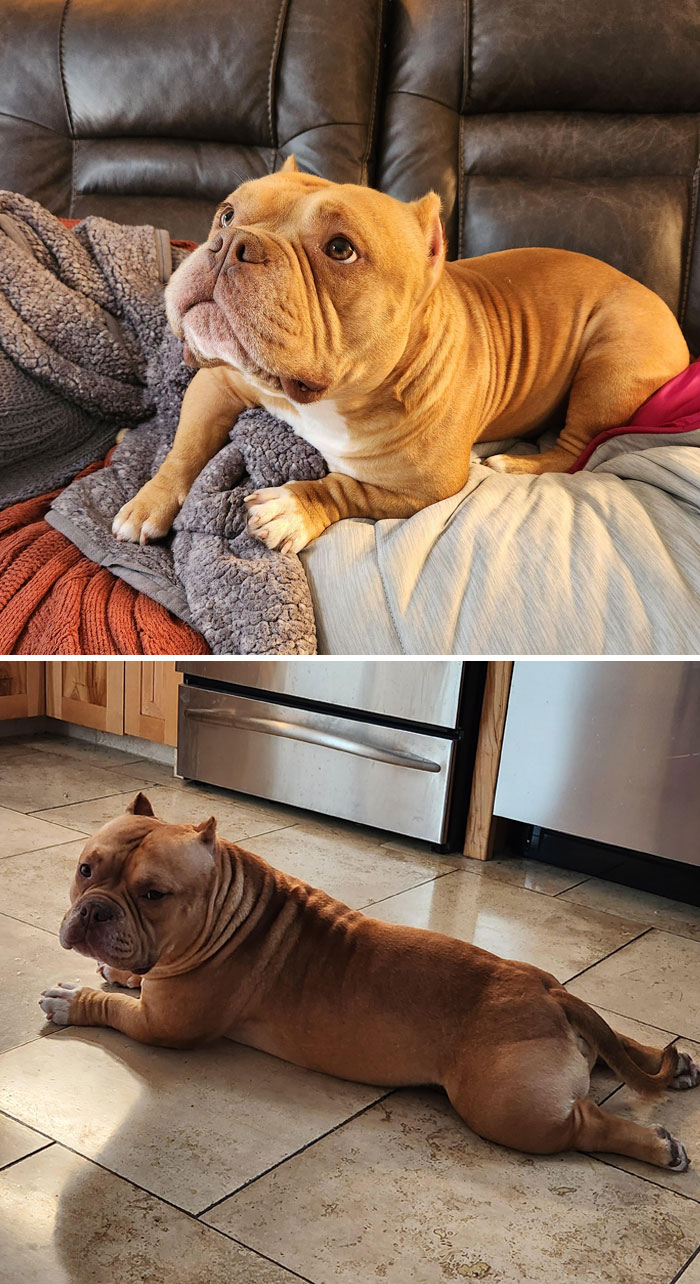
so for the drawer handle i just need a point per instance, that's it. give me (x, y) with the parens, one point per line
(312, 736)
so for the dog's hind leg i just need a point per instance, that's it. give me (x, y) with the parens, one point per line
(531, 1097)
(635, 346)
(591, 1128)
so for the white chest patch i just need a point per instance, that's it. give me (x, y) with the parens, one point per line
(324, 428)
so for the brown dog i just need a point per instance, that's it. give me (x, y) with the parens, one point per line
(332, 306)
(227, 945)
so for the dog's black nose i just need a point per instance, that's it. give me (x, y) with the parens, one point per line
(96, 912)
(246, 247)
(242, 252)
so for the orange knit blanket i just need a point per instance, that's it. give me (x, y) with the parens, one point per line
(54, 601)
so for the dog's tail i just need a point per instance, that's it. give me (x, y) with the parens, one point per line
(611, 1048)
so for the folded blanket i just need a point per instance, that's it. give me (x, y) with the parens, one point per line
(80, 313)
(244, 598)
(604, 560)
(84, 351)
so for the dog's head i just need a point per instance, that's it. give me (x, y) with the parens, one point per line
(308, 287)
(140, 890)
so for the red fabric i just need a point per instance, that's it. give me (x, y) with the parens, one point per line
(673, 408)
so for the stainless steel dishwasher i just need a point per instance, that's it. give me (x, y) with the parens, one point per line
(608, 751)
(383, 743)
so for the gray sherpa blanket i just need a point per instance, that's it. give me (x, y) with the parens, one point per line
(85, 351)
(244, 598)
(80, 313)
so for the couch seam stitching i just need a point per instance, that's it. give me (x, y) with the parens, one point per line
(326, 124)
(66, 102)
(466, 89)
(428, 98)
(27, 120)
(691, 244)
(465, 97)
(276, 45)
(364, 164)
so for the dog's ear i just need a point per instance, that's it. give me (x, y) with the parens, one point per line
(428, 214)
(207, 831)
(290, 165)
(140, 806)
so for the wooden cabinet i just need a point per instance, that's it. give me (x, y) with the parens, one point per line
(132, 697)
(87, 692)
(150, 700)
(21, 688)
(482, 830)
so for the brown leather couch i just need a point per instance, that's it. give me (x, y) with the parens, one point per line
(541, 122)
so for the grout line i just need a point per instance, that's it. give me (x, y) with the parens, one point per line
(8, 1115)
(5, 914)
(565, 890)
(40, 851)
(392, 895)
(672, 1037)
(612, 1093)
(503, 882)
(623, 1084)
(162, 1200)
(250, 838)
(293, 1155)
(617, 949)
(550, 896)
(30, 1155)
(684, 1267)
(258, 1253)
(468, 868)
(691, 1199)
(78, 802)
(24, 1043)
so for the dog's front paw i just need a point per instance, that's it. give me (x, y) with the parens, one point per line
(56, 1004)
(277, 518)
(508, 463)
(149, 515)
(128, 979)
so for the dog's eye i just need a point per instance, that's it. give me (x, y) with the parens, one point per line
(227, 218)
(85, 871)
(341, 249)
(153, 895)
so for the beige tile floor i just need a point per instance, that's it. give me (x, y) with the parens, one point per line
(224, 1165)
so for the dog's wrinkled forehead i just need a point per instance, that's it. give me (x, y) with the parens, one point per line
(118, 839)
(138, 844)
(295, 205)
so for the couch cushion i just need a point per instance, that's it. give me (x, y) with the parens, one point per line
(152, 113)
(552, 123)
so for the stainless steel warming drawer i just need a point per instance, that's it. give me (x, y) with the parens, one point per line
(413, 690)
(393, 777)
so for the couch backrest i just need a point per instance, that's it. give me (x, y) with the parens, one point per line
(570, 123)
(153, 112)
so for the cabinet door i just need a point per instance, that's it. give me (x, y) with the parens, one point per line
(87, 692)
(21, 688)
(150, 706)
